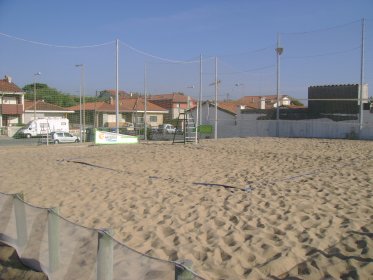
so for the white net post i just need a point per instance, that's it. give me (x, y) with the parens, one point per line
(53, 239)
(105, 255)
(21, 225)
(184, 274)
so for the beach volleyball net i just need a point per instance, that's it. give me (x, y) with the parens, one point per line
(47, 242)
(80, 82)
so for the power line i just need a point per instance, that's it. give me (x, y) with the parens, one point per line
(270, 47)
(320, 30)
(324, 54)
(157, 57)
(249, 70)
(242, 71)
(53, 45)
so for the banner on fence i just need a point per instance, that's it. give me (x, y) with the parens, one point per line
(104, 137)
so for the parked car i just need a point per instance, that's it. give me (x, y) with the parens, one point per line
(167, 128)
(129, 126)
(63, 137)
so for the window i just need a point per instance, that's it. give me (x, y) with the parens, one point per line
(153, 118)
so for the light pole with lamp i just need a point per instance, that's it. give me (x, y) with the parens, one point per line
(81, 98)
(36, 74)
(240, 85)
(279, 51)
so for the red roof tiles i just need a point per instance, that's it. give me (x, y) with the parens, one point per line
(175, 97)
(125, 105)
(7, 86)
(44, 106)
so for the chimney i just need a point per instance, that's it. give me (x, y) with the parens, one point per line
(262, 103)
(8, 78)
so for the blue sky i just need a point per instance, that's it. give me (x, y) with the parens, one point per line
(321, 41)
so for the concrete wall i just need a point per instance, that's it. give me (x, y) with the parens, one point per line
(227, 124)
(30, 116)
(248, 125)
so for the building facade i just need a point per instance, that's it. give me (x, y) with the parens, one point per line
(11, 103)
(175, 103)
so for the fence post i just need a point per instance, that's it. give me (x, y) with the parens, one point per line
(53, 239)
(105, 255)
(181, 273)
(21, 225)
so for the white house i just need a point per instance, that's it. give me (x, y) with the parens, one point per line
(43, 109)
(11, 103)
(226, 112)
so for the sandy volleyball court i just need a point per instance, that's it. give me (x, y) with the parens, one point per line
(238, 208)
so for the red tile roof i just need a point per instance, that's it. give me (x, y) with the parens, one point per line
(6, 86)
(125, 105)
(44, 106)
(175, 97)
(228, 106)
(253, 102)
(113, 92)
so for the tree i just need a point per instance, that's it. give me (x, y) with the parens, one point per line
(295, 102)
(52, 95)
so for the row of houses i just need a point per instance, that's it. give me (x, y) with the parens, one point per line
(14, 109)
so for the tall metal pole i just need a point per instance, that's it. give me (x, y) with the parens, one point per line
(80, 100)
(83, 100)
(199, 120)
(34, 98)
(197, 112)
(279, 51)
(361, 77)
(80, 107)
(216, 99)
(36, 74)
(117, 88)
(94, 114)
(145, 105)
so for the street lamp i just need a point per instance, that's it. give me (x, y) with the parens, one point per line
(81, 98)
(240, 85)
(188, 103)
(279, 51)
(36, 74)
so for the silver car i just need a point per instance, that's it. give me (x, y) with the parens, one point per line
(63, 137)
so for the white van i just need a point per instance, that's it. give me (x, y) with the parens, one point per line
(43, 126)
(167, 128)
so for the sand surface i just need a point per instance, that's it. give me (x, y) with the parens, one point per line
(290, 207)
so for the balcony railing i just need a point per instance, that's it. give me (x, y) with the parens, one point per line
(11, 109)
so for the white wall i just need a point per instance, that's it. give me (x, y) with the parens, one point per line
(318, 128)
(227, 124)
(246, 125)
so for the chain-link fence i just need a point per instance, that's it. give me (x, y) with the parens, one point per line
(61, 249)
(115, 85)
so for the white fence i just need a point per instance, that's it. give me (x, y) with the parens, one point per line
(248, 125)
(61, 249)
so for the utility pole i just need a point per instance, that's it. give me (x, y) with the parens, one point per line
(361, 78)
(83, 95)
(145, 105)
(36, 74)
(200, 91)
(279, 51)
(216, 99)
(117, 88)
(80, 100)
